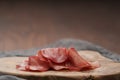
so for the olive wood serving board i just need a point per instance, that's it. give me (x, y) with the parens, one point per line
(109, 70)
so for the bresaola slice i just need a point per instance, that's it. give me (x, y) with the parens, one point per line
(33, 64)
(22, 66)
(76, 61)
(41, 57)
(79, 63)
(57, 59)
(58, 66)
(57, 55)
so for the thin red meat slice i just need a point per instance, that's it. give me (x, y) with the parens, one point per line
(22, 66)
(58, 66)
(39, 54)
(35, 64)
(76, 61)
(57, 55)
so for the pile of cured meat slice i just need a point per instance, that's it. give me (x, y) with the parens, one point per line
(56, 59)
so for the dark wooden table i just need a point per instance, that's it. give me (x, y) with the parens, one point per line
(31, 24)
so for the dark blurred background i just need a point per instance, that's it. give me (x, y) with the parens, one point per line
(28, 24)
